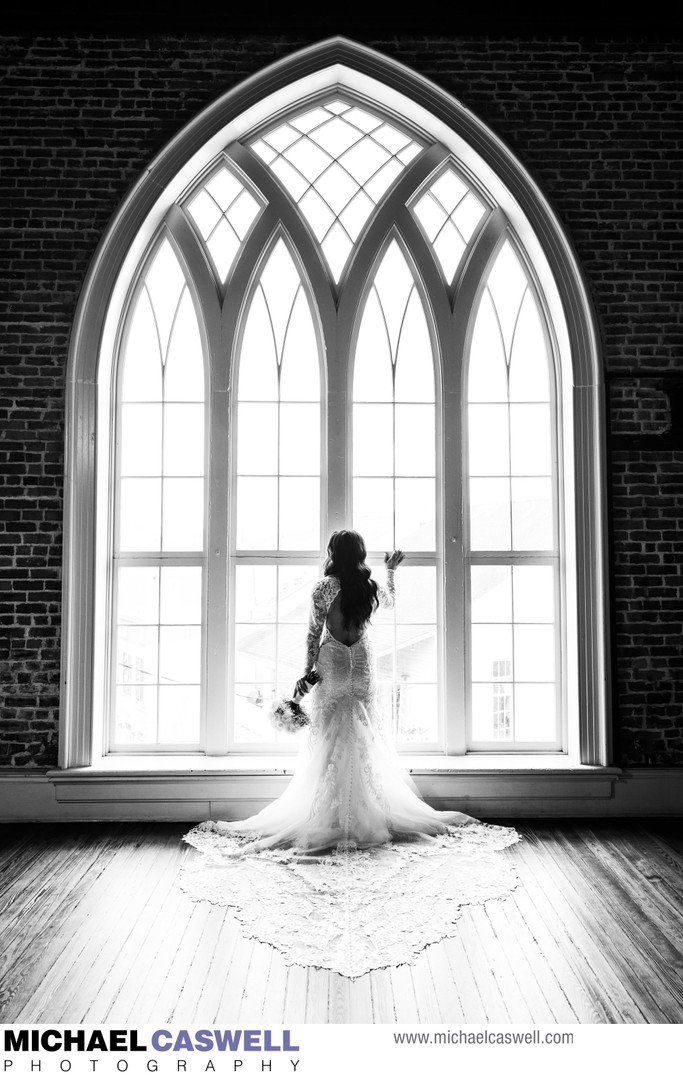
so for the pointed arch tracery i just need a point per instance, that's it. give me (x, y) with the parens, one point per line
(405, 363)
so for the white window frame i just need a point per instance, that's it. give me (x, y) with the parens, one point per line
(90, 396)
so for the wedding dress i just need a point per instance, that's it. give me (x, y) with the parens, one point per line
(350, 846)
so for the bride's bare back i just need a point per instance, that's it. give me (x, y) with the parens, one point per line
(336, 626)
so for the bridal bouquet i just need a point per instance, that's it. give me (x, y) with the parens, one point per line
(288, 715)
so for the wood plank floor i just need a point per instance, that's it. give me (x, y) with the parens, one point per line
(94, 929)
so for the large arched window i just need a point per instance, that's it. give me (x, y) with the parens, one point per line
(341, 313)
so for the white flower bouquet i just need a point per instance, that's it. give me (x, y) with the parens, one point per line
(287, 714)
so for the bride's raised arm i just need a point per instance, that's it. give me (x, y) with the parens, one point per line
(316, 623)
(387, 595)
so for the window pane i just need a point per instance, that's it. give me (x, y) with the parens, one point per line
(141, 355)
(534, 652)
(492, 712)
(258, 356)
(179, 715)
(415, 595)
(417, 713)
(487, 374)
(384, 645)
(415, 439)
(534, 593)
(181, 595)
(135, 722)
(291, 654)
(394, 285)
(414, 361)
(140, 514)
(252, 703)
(255, 653)
(372, 371)
(373, 511)
(334, 153)
(490, 513)
(530, 439)
(183, 522)
(373, 439)
(255, 592)
(165, 284)
(491, 652)
(491, 594)
(300, 373)
(180, 655)
(530, 360)
(294, 592)
(532, 514)
(416, 653)
(299, 439)
(257, 503)
(535, 713)
(507, 285)
(141, 439)
(184, 368)
(489, 439)
(138, 595)
(299, 513)
(415, 514)
(257, 438)
(136, 655)
(184, 439)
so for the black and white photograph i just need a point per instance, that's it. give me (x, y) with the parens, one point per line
(341, 533)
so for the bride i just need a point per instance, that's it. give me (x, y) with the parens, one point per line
(349, 788)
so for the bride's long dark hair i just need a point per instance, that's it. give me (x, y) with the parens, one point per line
(346, 555)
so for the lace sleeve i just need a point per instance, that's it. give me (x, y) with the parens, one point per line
(387, 595)
(316, 623)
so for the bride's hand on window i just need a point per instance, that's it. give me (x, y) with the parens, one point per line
(392, 560)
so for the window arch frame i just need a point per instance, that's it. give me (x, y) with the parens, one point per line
(90, 391)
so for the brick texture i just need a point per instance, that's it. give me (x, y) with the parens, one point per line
(596, 120)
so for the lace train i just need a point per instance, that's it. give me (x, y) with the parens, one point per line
(351, 911)
(367, 903)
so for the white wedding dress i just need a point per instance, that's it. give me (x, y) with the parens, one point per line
(350, 804)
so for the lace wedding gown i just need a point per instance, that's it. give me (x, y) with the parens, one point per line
(350, 804)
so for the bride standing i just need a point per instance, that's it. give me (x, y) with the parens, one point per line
(349, 788)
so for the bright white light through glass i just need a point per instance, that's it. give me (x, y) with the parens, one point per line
(337, 161)
(513, 635)
(272, 605)
(278, 415)
(449, 213)
(395, 437)
(159, 656)
(223, 211)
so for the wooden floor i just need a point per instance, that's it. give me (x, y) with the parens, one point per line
(94, 929)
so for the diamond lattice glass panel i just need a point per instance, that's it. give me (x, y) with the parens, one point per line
(159, 656)
(272, 606)
(449, 213)
(336, 161)
(278, 415)
(223, 212)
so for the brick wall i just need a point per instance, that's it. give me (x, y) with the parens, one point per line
(597, 123)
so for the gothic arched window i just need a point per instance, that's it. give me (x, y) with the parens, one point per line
(340, 313)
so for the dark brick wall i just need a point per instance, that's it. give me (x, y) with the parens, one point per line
(596, 120)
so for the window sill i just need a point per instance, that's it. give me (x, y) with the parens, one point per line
(277, 765)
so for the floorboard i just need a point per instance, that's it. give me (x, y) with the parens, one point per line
(95, 929)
